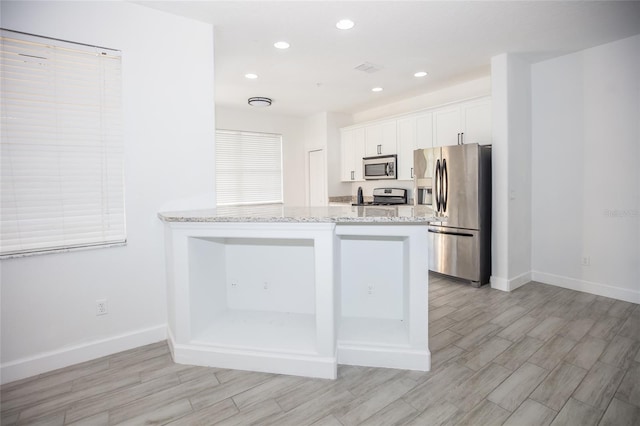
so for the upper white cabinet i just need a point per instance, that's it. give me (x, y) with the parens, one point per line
(380, 139)
(467, 122)
(407, 138)
(446, 126)
(476, 121)
(414, 132)
(424, 131)
(352, 153)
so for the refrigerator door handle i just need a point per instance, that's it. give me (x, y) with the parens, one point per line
(460, 234)
(444, 187)
(436, 191)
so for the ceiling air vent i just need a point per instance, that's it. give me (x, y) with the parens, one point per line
(368, 67)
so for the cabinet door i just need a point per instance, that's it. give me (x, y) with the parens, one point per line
(358, 153)
(352, 141)
(406, 146)
(424, 131)
(476, 120)
(380, 139)
(446, 126)
(346, 168)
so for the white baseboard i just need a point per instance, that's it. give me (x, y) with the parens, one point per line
(48, 361)
(599, 289)
(505, 284)
(399, 358)
(251, 360)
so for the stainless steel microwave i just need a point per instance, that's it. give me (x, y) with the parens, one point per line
(380, 167)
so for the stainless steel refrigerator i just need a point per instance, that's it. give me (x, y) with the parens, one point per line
(456, 182)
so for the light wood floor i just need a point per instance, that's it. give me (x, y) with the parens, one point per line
(539, 355)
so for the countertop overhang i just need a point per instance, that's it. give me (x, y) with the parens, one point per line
(282, 213)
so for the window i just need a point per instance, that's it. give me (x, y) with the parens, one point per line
(248, 167)
(62, 184)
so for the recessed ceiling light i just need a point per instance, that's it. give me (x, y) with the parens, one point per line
(345, 24)
(281, 45)
(251, 76)
(420, 74)
(377, 89)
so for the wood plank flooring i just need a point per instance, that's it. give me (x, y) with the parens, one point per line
(540, 355)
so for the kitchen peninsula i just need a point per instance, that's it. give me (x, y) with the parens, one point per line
(298, 290)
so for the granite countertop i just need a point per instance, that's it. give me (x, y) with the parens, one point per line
(295, 214)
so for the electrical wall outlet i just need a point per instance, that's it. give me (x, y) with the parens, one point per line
(101, 307)
(586, 261)
(370, 289)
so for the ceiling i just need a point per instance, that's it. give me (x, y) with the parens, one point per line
(452, 40)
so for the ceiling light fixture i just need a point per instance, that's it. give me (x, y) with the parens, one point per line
(251, 76)
(377, 89)
(420, 74)
(345, 24)
(281, 45)
(259, 101)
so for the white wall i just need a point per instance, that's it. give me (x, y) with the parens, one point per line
(48, 301)
(292, 130)
(455, 93)
(511, 172)
(323, 133)
(500, 172)
(586, 179)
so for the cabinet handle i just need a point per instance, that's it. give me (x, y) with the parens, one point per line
(379, 149)
(412, 173)
(353, 175)
(458, 138)
(462, 138)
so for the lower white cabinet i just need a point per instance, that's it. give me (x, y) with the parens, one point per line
(297, 298)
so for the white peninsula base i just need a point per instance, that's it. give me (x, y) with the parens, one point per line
(297, 296)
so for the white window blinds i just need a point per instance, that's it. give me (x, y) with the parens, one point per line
(62, 149)
(248, 167)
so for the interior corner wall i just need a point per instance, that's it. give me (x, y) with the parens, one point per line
(500, 173)
(511, 164)
(292, 130)
(48, 302)
(586, 179)
(519, 166)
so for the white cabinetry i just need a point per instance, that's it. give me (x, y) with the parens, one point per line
(298, 297)
(352, 153)
(406, 145)
(469, 122)
(414, 132)
(380, 139)
(424, 130)
(476, 121)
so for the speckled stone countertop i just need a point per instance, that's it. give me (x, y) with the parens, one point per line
(283, 213)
